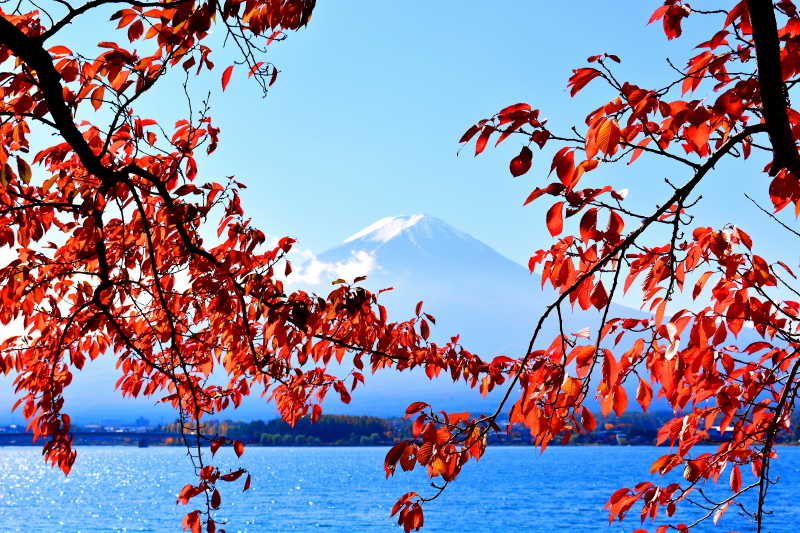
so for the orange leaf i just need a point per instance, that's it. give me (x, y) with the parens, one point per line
(555, 218)
(97, 97)
(587, 420)
(620, 401)
(226, 76)
(608, 137)
(736, 479)
(60, 51)
(644, 394)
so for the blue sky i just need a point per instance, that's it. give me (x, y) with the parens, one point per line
(372, 98)
(364, 120)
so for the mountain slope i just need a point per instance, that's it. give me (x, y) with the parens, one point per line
(491, 301)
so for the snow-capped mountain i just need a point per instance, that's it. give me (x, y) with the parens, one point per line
(491, 301)
(432, 239)
(425, 258)
(470, 288)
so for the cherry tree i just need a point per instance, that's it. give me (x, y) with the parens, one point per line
(104, 229)
(730, 99)
(107, 259)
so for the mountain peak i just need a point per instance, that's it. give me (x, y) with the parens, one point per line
(387, 228)
(394, 243)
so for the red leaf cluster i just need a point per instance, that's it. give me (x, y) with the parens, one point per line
(680, 356)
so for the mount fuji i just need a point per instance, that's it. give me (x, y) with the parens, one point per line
(491, 301)
(471, 289)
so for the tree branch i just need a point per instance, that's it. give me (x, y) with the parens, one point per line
(679, 194)
(772, 88)
(74, 12)
(30, 51)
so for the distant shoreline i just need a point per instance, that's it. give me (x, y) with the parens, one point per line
(632, 429)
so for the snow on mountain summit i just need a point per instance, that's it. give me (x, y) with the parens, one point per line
(386, 228)
(397, 243)
(417, 228)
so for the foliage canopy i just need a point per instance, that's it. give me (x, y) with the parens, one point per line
(687, 357)
(109, 256)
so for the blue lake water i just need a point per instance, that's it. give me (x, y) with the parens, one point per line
(344, 490)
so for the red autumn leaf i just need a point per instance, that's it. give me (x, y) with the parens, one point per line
(419, 423)
(608, 137)
(761, 271)
(469, 134)
(552, 189)
(483, 138)
(580, 78)
(60, 51)
(238, 448)
(736, 12)
(588, 223)
(515, 108)
(599, 296)
(409, 460)
(97, 97)
(564, 165)
(135, 30)
(698, 288)
(415, 408)
(424, 329)
(226, 77)
(233, 476)
(587, 420)
(736, 479)
(215, 445)
(644, 394)
(620, 401)
(390, 462)
(555, 219)
(522, 163)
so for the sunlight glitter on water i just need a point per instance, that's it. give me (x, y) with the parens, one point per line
(342, 490)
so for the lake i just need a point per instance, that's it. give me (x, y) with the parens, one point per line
(327, 489)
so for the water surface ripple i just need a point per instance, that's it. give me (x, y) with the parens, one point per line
(344, 489)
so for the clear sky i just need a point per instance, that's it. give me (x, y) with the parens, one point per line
(364, 120)
(372, 97)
